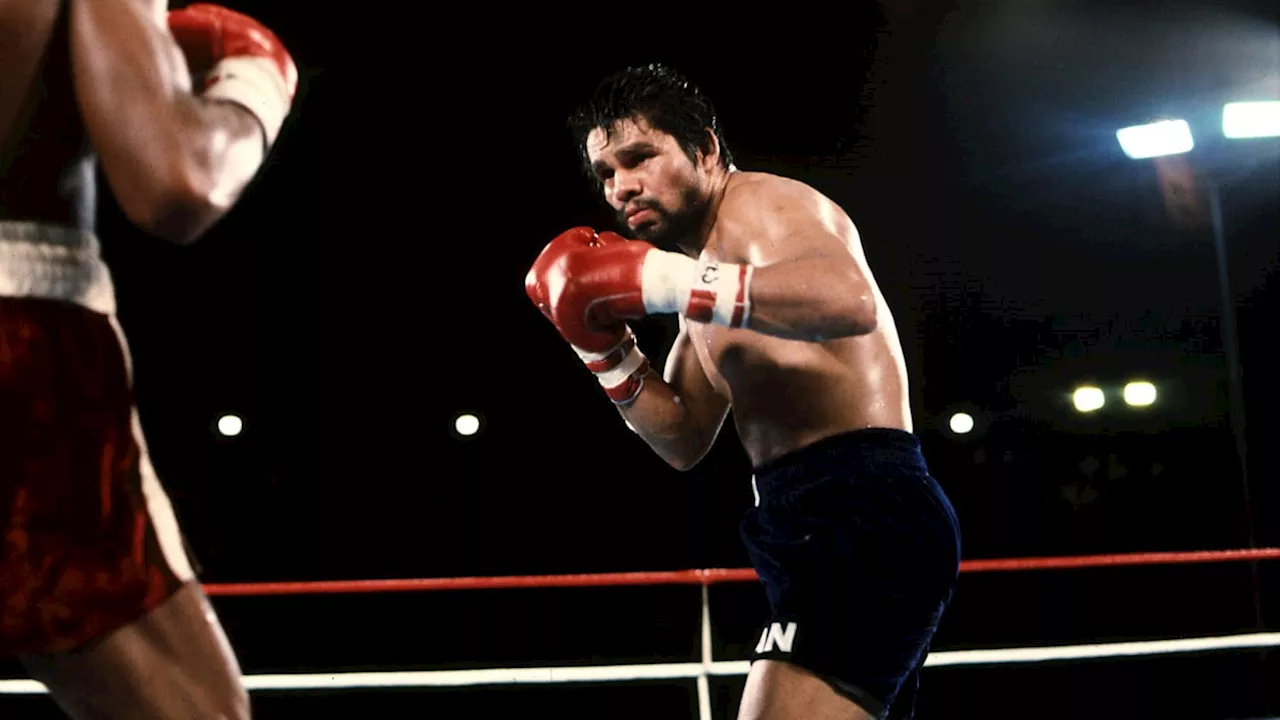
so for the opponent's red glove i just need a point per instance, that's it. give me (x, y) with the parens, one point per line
(239, 60)
(606, 345)
(612, 278)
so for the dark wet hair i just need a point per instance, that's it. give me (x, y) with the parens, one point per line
(660, 95)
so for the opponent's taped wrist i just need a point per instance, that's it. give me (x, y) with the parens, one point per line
(620, 370)
(704, 291)
(255, 84)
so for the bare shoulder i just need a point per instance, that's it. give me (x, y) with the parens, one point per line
(748, 191)
(764, 217)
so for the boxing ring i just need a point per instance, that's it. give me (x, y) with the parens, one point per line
(707, 667)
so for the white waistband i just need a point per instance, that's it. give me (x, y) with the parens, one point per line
(54, 263)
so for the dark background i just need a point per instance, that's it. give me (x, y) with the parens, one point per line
(368, 289)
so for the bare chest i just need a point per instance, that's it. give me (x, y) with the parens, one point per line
(710, 343)
(737, 361)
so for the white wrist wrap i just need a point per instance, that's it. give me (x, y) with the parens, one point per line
(618, 374)
(702, 290)
(620, 369)
(666, 280)
(721, 294)
(623, 372)
(255, 84)
(596, 358)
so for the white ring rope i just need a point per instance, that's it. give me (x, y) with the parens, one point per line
(669, 671)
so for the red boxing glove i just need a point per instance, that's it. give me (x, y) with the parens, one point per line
(239, 60)
(610, 278)
(606, 345)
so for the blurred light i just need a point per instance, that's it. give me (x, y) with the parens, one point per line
(467, 424)
(230, 425)
(1166, 137)
(961, 423)
(1140, 393)
(1088, 399)
(1251, 119)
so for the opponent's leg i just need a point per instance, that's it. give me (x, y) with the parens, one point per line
(173, 663)
(782, 691)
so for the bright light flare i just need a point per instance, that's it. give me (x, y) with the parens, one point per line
(1166, 137)
(961, 423)
(230, 425)
(1140, 393)
(1088, 399)
(1251, 119)
(467, 424)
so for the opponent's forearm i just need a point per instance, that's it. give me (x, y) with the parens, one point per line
(176, 163)
(661, 419)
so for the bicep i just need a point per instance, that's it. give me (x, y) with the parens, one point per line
(174, 162)
(127, 45)
(127, 73)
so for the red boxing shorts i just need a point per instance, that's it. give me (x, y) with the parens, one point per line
(90, 539)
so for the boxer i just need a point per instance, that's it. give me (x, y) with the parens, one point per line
(100, 599)
(781, 320)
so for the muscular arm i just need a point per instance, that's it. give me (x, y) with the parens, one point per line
(176, 163)
(806, 283)
(784, 265)
(810, 299)
(680, 414)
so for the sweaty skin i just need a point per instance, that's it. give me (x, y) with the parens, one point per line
(86, 78)
(821, 353)
(175, 162)
(102, 81)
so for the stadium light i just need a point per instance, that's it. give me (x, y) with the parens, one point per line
(1251, 119)
(230, 425)
(961, 423)
(467, 424)
(1157, 139)
(1088, 399)
(1239, 120)
(1139, 393)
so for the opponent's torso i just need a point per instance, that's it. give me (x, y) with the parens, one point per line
(46, 165)
(787, 394)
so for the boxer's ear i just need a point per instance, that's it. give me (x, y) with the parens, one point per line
(711, 156)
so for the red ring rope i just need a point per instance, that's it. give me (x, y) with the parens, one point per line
(709, 577)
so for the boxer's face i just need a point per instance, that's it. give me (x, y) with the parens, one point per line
(659, 194)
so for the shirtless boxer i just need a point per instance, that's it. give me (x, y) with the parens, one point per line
(780, 319)
(99, 598)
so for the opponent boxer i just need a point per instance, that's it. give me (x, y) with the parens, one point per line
(99, 598)
(781, 319)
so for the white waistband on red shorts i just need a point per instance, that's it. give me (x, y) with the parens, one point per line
(54, 263)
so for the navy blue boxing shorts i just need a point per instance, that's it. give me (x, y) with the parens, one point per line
(858, 549)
